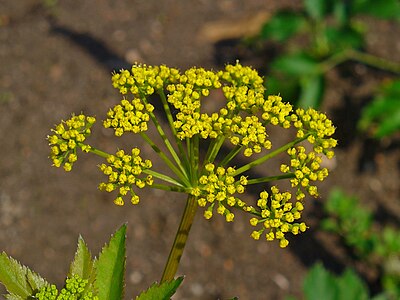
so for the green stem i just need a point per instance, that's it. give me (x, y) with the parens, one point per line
(97, 151)
(168, 188)
(163, 177)
(264, 158)
(231, 155)
(213, 149)
(181, 237)
(164, 138)
(365, 58)
(270, 178)
(176, 170)
(173, 129)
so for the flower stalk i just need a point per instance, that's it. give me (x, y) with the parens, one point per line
(181, 237)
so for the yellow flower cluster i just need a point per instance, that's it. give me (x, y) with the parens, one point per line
(306, 169)
(128, 117)
(276, 112)
(318, 129)
(75, 288)
(277, 216)
(219, 186)
(185, 97)
(249, 132)
(124, 172)
(144, 80)
(67, 137)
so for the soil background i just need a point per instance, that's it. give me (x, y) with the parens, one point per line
(54, 62)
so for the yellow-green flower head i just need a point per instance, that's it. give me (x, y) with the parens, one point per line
(250, 133)
(306, 168)
(243, 88)
(144, 80)
(277, 216)
(185, 96)
(318, 129)
(125, 171)
(129, 116)
(244, 91)
(276, 112)
(218, 188)
(75, 288)
(68, 136)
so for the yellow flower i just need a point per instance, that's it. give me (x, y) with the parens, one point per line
(278, 215)
(124, 171)
(68, 136)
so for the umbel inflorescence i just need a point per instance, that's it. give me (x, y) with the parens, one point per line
(242, 124)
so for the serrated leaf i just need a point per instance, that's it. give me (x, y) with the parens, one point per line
(35, 281)
(110, 267)
(298, 64)
(163, 291)
(319, 284)
(82, 265)
(18, 279)
(312, 91)
(13, 297)
(282, 26)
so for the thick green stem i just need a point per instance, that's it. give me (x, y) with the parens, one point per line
(181, 237)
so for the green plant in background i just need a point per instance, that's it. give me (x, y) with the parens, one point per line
(329, 35)
(380, 249)
(319, 284)
(211, 180)
(382, 116)
(88, 278)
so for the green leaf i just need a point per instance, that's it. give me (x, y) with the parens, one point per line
(282, 26)
(163, 291)
(18, 279)
(82, 264)
(110, 267)
(341, 11)
(320, 284)
(343, 38)
(383, 111)
(312, 91)
(297, 64)
(391, 124)
(316, 9)
(351, 287)
(388, 9)
(14, 297)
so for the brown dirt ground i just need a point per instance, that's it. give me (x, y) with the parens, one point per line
(51, 67)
